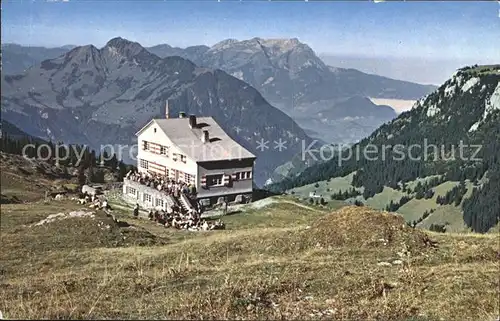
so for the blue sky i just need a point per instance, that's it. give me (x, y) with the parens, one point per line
(404, 29)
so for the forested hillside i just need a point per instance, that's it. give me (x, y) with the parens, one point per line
(88, 164)
(453, 132)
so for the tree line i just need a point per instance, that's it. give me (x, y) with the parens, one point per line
(89, 163)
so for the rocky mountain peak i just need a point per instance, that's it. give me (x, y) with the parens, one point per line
(82, 51)
(224, 44)
(124, 47)
(284, 44)
(274, 45)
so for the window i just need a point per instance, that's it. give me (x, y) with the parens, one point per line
(174, 174)
(244, 175)
(214, 180)
(189, 178)
(143, 163)
(163, 150)
(147, 198)
(155, 168)
(159, 202)
(174, 157)
(145, 145)
(183, 158)
(154, 129)
(131, 190)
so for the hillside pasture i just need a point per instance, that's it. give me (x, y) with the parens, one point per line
(282, 260)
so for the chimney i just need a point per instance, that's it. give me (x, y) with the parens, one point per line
(192, 121)
(205, 137)
(167, 113)
(182, 114)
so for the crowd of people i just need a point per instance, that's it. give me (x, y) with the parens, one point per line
(162, 183)
(175, 216)
(190, 221)
(97, 202)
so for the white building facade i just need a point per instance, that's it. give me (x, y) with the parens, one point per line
(196, 151)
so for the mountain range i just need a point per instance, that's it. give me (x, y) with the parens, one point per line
(17, 59)
(290, 76)
(288, 72)
(103, 96)
(420, 169)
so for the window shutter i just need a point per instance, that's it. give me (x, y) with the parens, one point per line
(225, 179)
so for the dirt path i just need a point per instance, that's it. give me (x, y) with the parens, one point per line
(302, 205)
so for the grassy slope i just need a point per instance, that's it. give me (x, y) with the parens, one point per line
(326, 188)
(283, 260)
(21, 180)
(381, 200)
(411, 211)
(411, 185)
(414, 209)
(449, 215)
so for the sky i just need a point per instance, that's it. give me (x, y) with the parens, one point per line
(418, 30)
